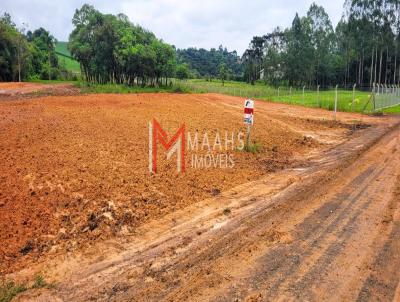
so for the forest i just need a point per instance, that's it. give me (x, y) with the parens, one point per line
(27, 55)
(111, 49)
(208, 63)
(363, 49)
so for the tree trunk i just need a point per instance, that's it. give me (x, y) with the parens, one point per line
(372, 67)
(49, 67)
(376, 63)
(362, 69)
(19, 59)
(395, 69)
(398, 78)
(19, 68)
(347, 67)
(380, 66)
(386, 65)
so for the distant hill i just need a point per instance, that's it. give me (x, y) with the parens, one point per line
(65, 59)
(206, 63)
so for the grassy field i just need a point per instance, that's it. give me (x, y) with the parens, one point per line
(311, 98)
(392, 109)
(326, 99)
(64, 59)
(53, 81)
(120, 88)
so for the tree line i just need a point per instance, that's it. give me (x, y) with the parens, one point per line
(208, 64)
(109, 49)
(27, 55)
(112, 49)
(362, 49)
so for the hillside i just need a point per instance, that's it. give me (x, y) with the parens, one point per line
(206, 63)
(65, 59)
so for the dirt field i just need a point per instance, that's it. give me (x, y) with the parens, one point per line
(17, 90)
(78, 204)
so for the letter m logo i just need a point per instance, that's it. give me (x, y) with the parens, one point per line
(176, 144)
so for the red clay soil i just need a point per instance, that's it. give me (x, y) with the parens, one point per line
(74, 169)
(11, 90)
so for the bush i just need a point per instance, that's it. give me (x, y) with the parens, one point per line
(253, 148)
(10, 289)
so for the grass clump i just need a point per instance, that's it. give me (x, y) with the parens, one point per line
(86, 87)
(10, 289)
(253, 148)
(39, 282)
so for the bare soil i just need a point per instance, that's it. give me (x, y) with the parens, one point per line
(19, 90)
(311, 216)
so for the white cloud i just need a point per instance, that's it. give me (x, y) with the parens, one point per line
(205, 23)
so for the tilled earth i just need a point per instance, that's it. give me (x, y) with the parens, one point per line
(74, 169)
(312, 215)
(17, 90)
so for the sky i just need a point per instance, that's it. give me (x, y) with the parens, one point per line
(195, 23)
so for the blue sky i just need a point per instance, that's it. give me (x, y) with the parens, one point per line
(205, 23)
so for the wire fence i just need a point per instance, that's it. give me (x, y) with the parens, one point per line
(347, 98)
(386, 96)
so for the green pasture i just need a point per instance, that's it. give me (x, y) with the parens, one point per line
(325, 98)
(65, 59)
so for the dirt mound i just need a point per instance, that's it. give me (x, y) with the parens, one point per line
(75, 169)
(16, 90)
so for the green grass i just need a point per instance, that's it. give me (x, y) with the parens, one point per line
(123, 89)
(10, 289)
(230, 87)
(326, 99)
(392, 110)
(64, 58)
(252, 148)
(52, 81)
(323, 99)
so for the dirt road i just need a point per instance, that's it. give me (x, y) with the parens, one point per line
(327, 229)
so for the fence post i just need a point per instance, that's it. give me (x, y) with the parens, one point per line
(279, 93)
(387, 97)
(318, 99)
(354, 96)
(304, 87)
(290, 93)
(336, 100)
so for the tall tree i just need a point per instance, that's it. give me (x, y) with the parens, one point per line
(300, 54)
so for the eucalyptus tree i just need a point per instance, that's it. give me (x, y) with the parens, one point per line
(322, 40)
(274, 48)
(111, 49)
(300, 52)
